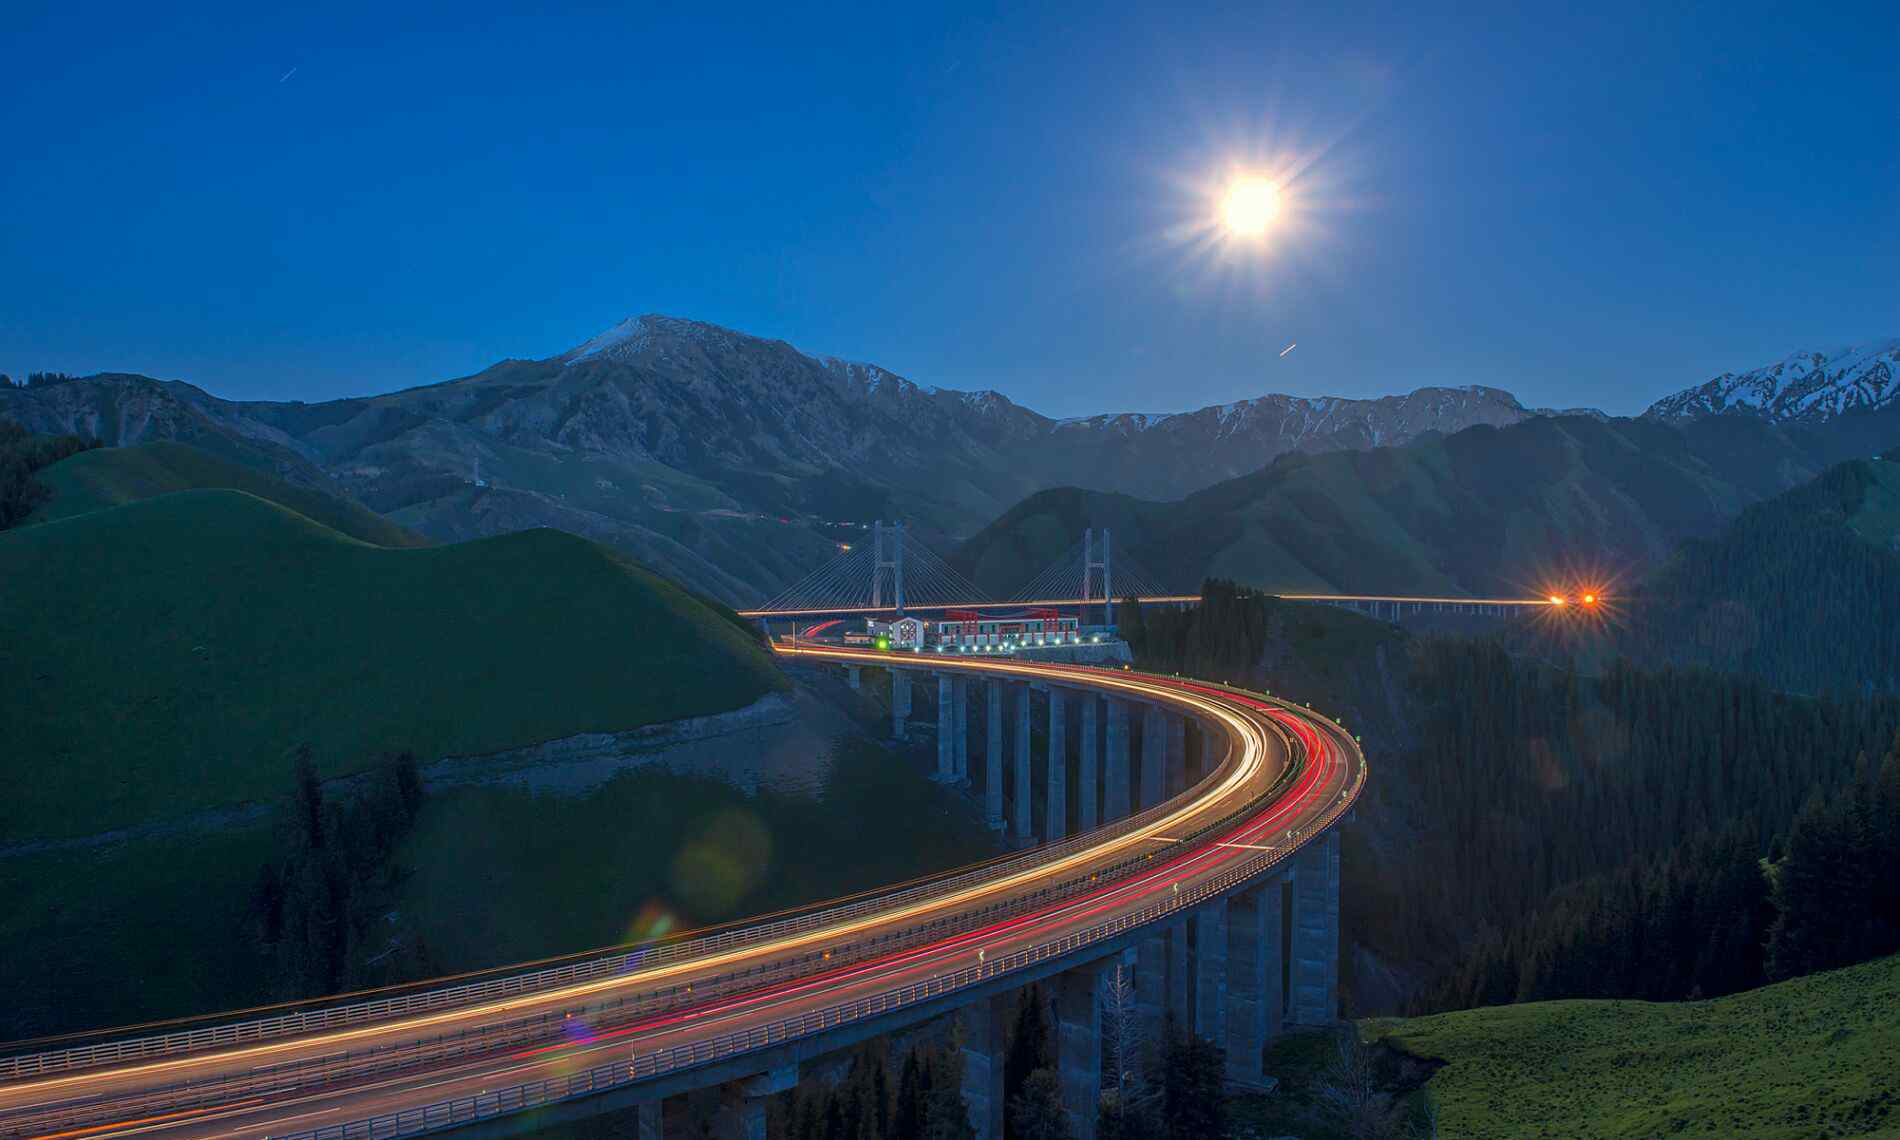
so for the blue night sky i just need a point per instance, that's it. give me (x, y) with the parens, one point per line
(1585, 205)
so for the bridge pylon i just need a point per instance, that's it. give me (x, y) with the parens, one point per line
(887, 553)
(1089, 565)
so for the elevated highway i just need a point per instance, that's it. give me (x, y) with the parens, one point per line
(1395, 604)
(1170, 862)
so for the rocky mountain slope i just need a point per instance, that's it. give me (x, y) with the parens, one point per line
(1808, 387)
(711, 454)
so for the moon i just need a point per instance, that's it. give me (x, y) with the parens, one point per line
(1249, 207)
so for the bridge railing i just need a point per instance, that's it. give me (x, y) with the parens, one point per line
(644, 1066)
(208, 1038)
(543, 1027)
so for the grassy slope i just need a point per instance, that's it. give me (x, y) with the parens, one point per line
(653, 851)
(125, 932)
(248, 629)
(1816, 1056)
(114, 476)
(494, 874)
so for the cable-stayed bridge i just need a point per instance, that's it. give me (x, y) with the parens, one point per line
(895, 573)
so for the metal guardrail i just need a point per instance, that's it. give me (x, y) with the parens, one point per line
(644, 957)
(454, 1113)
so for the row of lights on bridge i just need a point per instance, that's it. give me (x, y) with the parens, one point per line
(1012, 646)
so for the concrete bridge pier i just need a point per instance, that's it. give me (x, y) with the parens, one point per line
(1078, 1011)
(1254, 979)
(1151, 984)
(1021, 785)
(1056, 809)
(993, 756)
(1090, 763)
(946, 728)
(1313, 980)
(651, 1123)
(1161, 980)
(1210, 971)
(854, 676)
(960, 693)
(985, 1047)
(1175, 995)
(742, 1103)
(1176, 768)
(1153, 756)
(1115, 775)
(900, 702)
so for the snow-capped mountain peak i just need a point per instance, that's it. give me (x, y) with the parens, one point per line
(1807, 386)
(637, 334)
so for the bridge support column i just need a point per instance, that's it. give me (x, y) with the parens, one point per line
(1088, 764)
(1151, 985)
(1021, 786)
(1078, 1011)
(1161, 989)
(652, 1121)
(993, 757)
(960, 693)
(1210, 972)
(854, 676)
(1056, 809)
(1314, 998)
(900, 702)
(1153, 756)
(1253, 979)
(1176, 766)
(1175, 997)
(742, 1103)
(985, 1046)
(1115, 777)
(946, 728)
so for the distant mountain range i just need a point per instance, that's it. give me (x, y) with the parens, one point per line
(1808, 387)
(718, 457)
(1554, 502)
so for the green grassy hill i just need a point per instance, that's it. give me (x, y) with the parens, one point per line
(114, 476)
(163, 657)
(1815, 1056)
(653, 851)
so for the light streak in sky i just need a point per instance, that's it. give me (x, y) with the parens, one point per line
(1289, 348)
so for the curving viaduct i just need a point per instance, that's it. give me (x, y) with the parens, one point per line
(1206, 864)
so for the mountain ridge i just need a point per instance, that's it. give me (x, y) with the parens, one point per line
(1805, 386)
(733, 460)
(703, 450)
(1515, 511)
